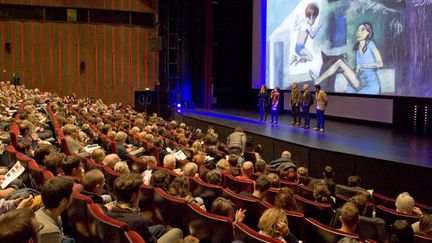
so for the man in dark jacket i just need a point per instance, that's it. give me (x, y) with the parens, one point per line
(306, 102)
(283, 163)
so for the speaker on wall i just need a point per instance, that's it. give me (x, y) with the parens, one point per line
(82, 66)
(8, 47)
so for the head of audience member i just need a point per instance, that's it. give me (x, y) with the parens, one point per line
(126, 188)
(354, 181)
(98, 155)
(169, 161)
(348, 240)
(274, 180)
(289, 176)
(120, 137)
(321, 193)
(286, 154)
(222, 164)
(111, 135)
(259, 149)
(302, 171)
(73, 166)
(20, 226)
(53, 162)
(179, 187)
(160, 179)
(121, 167)
(56, 194)
(401, 232)
(224, 207)
(214, 177)
(110, 160)
(71, 130)
(361, 202)
(261, 186)
(41, 151)
(247, 169)
(328, 172)
(238, 129)
(270, 220)
(425, 225)
(260, 166)
(349, 217)
(285, 199)
(190, 169)
(233, 160)
(405, 203)
(93, 181)
(199, 159)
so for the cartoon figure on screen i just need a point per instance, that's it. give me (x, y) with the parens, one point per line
(306, 28)
(364, 80)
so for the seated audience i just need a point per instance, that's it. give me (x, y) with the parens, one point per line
(274, 224)
(349, 218)
(285, 199)
(54, 161)
(21, 202)
(160, 179)
(321, 193)
(190, 169)
(214, 177)
(93, 186)
(121, 167)
(261, 187)
(98, 155)
(110, 160)
(283, 163)
(260, 166)
(303, 175)
(424, 226)
(73, 166)
(274, 180)
(56, 194)
(247, 170)
(405, 204)
(401, 232)
(71, 133)
(225, 207)
(121, 146)
(328, 177)
(126, 190)
(20, 226)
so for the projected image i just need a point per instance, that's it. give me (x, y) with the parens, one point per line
(348, 46)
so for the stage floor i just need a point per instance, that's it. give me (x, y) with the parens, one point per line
(361, 140)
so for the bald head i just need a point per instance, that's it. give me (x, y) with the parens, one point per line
(169, 161)
(190, 169)
(248, 169)
(110, 160)
(286, 154)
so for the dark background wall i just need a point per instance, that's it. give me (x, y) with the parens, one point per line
(48, 55)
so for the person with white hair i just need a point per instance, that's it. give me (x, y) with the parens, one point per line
(122, 152)
(405, 204)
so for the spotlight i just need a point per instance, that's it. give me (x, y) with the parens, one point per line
(178, 105)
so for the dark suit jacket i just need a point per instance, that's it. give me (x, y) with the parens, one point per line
(122, 152)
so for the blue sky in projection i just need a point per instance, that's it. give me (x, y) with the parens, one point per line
(277, 10)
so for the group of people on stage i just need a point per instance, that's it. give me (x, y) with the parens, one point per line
(268, 103)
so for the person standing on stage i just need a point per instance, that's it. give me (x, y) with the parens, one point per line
(295, 97)
(263, 103)
(321, 100)
(306, 102)
(275, 95)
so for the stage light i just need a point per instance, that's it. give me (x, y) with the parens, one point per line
(178, 105)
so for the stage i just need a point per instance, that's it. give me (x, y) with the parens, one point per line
(378, 154)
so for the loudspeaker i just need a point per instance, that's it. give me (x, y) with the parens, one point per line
(145, 100)
(82, 66)
(8, 47)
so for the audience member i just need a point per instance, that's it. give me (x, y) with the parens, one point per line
(401, 232)
(73, 166)
(274, 224)
(126, 190)
(405, 204)
(424, 226)
(56, 196)
(260, 166)
(160, 179)
(214, 177)
(98, 155)
(121, 167)
(236, 142)
(20, 226)
(349, 217)
(261, 187)
(285, 199)
(274, 180)
(283, 163)
(225, 207)
(328, 177)
(247, 170)
(110, 160)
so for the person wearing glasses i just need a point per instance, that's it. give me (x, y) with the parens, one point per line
(20, 225)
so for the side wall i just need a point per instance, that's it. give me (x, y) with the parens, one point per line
(51, 56)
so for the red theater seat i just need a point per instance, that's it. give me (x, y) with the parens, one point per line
(390, 215)
(318, 232)
(77, 216)
(246, 234)
(104, 228)
(252, 206)
(207, 192)
(169, 209)
(322, 212)
(238, 185)
(421, 238)
(208, 227)
(133, 237)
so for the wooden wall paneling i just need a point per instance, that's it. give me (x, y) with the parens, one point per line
(136, 57)
(17, 49)
(146, 58)
(107, 64)
(73, 58)
(91, 61)
(122, 65)
(117, 67)
(55, 46)
(100, 85)
(8, 53)
(65, 62)
(43, 60)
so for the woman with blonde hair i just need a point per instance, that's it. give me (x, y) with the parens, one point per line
(274, 223)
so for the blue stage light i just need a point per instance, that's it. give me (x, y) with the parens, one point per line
(178, 105)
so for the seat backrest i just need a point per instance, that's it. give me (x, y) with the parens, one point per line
(390, 215)
(146, 195)
(104, 228)
(385, 201)
(238, 185)
(208, 227)
(169, 210)
(36, 175)
(11, 155)
(251, 205)
(318, 232)
(322, 212)
(270, 195)
(206, 191)
(421, 238)
(133, 237)
(290, 184)
(245, 234)
(372, 229)
(110, 176)
(346, 190)
(77, 216)
(305, 191)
